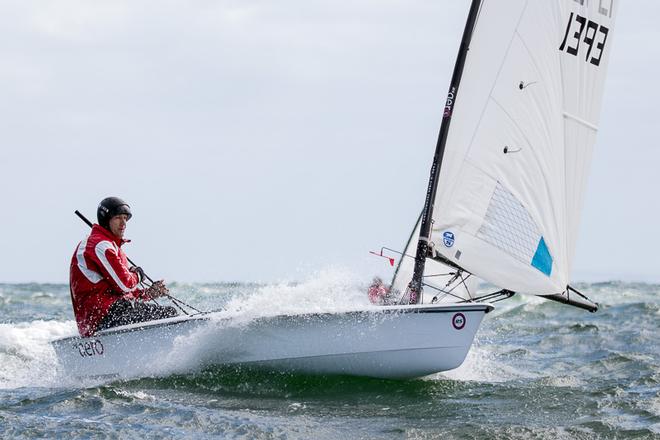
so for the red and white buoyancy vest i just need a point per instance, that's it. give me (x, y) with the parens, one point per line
(99, 276)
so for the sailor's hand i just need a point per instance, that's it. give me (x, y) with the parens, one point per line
(157, 289)
(138, 270)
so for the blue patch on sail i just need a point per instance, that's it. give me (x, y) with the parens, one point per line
(542, 259)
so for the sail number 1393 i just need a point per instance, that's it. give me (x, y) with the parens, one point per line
(586, 33)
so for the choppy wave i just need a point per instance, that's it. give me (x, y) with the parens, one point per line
(537, 370)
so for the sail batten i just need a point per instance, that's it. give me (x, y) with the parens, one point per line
(581, 121)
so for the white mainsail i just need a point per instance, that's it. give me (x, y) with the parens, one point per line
(519, 146)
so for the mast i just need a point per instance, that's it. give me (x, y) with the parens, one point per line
(415, 285)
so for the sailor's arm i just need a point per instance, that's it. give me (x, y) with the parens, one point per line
(114, 270)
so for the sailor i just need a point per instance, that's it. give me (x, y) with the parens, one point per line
(378, 293)
(105, 290)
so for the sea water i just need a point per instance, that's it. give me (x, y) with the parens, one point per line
(537, 369)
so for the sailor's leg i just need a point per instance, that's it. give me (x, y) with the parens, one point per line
(125, 312)
(143, 311)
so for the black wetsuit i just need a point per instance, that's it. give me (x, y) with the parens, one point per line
(124, 312)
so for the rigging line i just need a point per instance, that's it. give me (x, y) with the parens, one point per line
(147, 282)
(504, 297)
(442, 275)
(172, 299)
(457, 275)
(167, 295)
(180, 308)
(439, 275)
(146, 286)
(448, 292)
(410, 238)
(405, 292)
(176, 300)
(435, 298)
(504, 292)
(465, 285)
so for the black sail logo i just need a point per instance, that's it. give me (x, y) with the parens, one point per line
(450, 102)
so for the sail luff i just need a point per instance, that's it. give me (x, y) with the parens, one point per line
(427, 213)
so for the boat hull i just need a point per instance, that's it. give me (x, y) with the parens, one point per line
(388, 342)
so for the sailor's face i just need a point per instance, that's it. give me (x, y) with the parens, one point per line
(118, 225)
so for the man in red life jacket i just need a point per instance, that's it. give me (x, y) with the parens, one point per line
(105, 291)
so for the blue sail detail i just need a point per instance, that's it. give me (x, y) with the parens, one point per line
(542, 259)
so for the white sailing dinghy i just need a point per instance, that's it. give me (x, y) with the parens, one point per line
(502, 204)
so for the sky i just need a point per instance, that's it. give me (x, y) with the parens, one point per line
(267, 141)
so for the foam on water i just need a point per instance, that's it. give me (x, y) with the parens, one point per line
(26, 356)
(331, 290)
(482, 365)
(28, 359)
